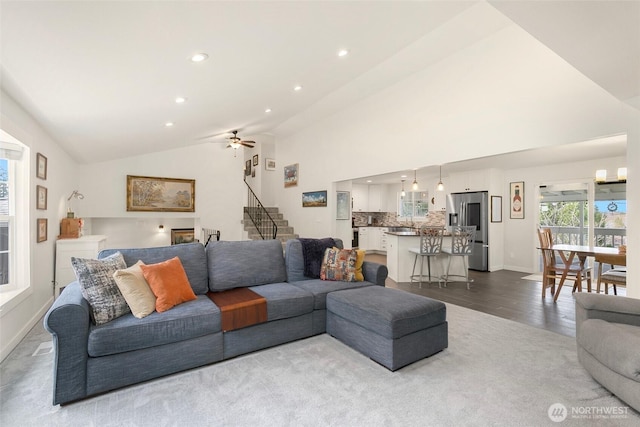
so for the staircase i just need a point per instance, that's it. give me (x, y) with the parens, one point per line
(284, 231)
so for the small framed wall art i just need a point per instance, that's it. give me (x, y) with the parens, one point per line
(516, 195)
(255, 160)
(270, 164)
(41, 166)
(314, 199)
(343, 203)
(42, 230)
(247, 168)
(41, 195)
(182, 235)
(496, 208)
(291, 175)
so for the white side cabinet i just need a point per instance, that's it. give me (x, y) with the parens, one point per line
(82, 247)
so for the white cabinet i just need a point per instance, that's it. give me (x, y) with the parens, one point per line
(82, 247)
(369, 198)
(477, 180)
(376, 238)
(360, 194)
(363, 238)
(375, 198)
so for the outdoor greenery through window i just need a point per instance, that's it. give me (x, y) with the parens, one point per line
(566, 212)
(414, 204)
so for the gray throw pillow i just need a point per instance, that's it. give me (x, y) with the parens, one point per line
(99, 287)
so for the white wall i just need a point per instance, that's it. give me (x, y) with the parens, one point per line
(520, 239)
(17, 318)
(506, 93)
(220, 193)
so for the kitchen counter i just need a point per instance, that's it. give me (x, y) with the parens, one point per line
(400, 260)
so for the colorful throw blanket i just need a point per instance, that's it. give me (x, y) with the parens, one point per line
(313, 252)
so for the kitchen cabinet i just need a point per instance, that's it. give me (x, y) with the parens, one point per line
(376, 238)
(360, 194)
(363, 238)
(375, 198)
(477, 180)
(82, 247)
(369, 198)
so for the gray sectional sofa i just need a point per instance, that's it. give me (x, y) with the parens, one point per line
(91, 359)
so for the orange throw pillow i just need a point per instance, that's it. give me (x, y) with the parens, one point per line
(169, 283)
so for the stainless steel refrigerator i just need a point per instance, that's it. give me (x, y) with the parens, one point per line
(472, 209)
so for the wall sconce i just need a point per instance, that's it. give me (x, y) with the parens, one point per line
(601, 175)
(440, 186)
(622, 174)
(415, 181)
(161, 228)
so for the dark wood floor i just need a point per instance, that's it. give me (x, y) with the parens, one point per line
(504, 294)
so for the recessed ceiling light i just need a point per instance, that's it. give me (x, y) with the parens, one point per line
(403, 176)
(199, 57)
(268, 110)
(343, 52)
(180, 100)
(369, 180)
(168, 124)
(297, 88)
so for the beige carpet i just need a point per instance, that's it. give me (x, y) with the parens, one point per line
(495, 372)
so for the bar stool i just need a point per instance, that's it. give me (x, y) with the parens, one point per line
(430, 246)
(462, 238)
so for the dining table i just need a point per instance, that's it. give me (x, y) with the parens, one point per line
(581, 252)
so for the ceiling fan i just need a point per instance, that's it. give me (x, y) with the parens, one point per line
(235, 141)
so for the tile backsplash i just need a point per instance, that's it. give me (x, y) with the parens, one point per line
(390, 219)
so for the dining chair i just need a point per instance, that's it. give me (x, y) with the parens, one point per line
(553, 271)
(430, 246)
(616, 275)
(462, 238)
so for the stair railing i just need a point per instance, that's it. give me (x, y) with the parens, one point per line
(266, 226)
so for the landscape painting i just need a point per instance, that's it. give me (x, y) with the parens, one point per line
(151, 194)
(314, 199)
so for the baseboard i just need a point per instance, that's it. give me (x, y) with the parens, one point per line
(8, 347)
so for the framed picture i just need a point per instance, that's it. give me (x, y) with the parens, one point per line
(182, 235)
(41, 194)
(496, 208)
(41, 166)
(42, 230)
(343, 204)
(255, 160)
(247, 168)
(150, 194)
(291, 175)
(253, 173)
(270, 164)
(516, 194)
(314, 199)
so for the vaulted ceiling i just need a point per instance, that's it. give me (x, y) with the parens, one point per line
(103, 77)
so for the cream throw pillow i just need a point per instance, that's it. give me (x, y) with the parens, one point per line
(135, 290)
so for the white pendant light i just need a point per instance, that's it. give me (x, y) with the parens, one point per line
(415, 181)
(440, 186)
(402, 194)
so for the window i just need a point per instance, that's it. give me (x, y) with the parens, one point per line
(413, 204)
(14, 214)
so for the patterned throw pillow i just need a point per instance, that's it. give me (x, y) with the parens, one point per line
(99, 287)
(339, 264)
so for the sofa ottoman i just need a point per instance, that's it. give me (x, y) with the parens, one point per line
(393, 327)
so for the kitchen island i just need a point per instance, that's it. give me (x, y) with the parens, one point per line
(400, 260)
